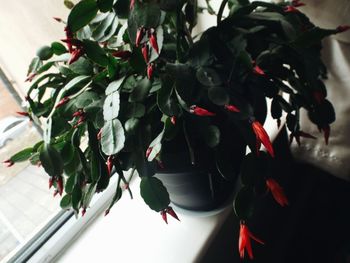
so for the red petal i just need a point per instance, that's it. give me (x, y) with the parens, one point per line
(163, 214)
(145, 53)
(257, 70)
(343, 28)
(232, 108)
(277, 192)
(263, 137)
(200, 111)
(171, 212)
(153, 41)
(173, 120)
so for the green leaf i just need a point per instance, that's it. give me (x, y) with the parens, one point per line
(87, 197)
(114, 86)
(208, 77)
(160, 39)
(76, 197)
(35, 64)
(105, 5)
(113, 138)
(51, 160)
(67, 153)
(129, 84)
(154, 193)
(111, 106)
(141, 90)
(212, 135)
(312, 36)
(130, 110)
(82, 67)
(131, 125)
(66, 201)
(244, 203)
(76, 81)
(22, 155)
(143, 15)
(166, 103)
(68, 186)
(156, 146)
(101, 30)
(44, 53)
(81, 14)
(276, 109)
(95, 52)
(58, 49)
(218, 96)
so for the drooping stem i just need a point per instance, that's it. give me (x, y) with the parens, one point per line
(190, 149)
(221, 11)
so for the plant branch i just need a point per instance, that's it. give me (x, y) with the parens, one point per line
(221, 11)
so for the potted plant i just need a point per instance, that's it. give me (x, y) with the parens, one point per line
(131, 88)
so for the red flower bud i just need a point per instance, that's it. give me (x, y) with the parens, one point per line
(62, 102)
(78, 113)
(60, 185)
(297, 136)
(99, 134)
(30, 77)
(164, 216)
(109, 164)
(123, 54)
(262, 137)
(290, 9)
(57, 19)
(22, 113)
(55, 193)
(50, 182)
(173, 120)
(107, 212)
(153, 41)
(69, 35)
(148, 152)
(342, 28)
(297, 3)
(150, 69)
(244, 241)
(8, 163)
(277, 192)
(232, 108)
(132, 4)
(83, 211)
(145, 53)
(76, 54)
(171, 212)
(139, 36)
(258, 71)
(200, 111)
(80, 121)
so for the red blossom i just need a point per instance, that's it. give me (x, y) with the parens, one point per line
(200, 111)
(8, 163)
(153, 41)
(232, 108)
(83, 211)
(290, 9)
(244, 241)
(164, 216)
(342, 28)
(277, 192)
(62, 102)
(171, 212)
(150, 69)
(262, 138)
(123, 54)
(297, 136)
(145, 53)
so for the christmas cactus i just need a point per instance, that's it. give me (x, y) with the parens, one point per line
(131, 75)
